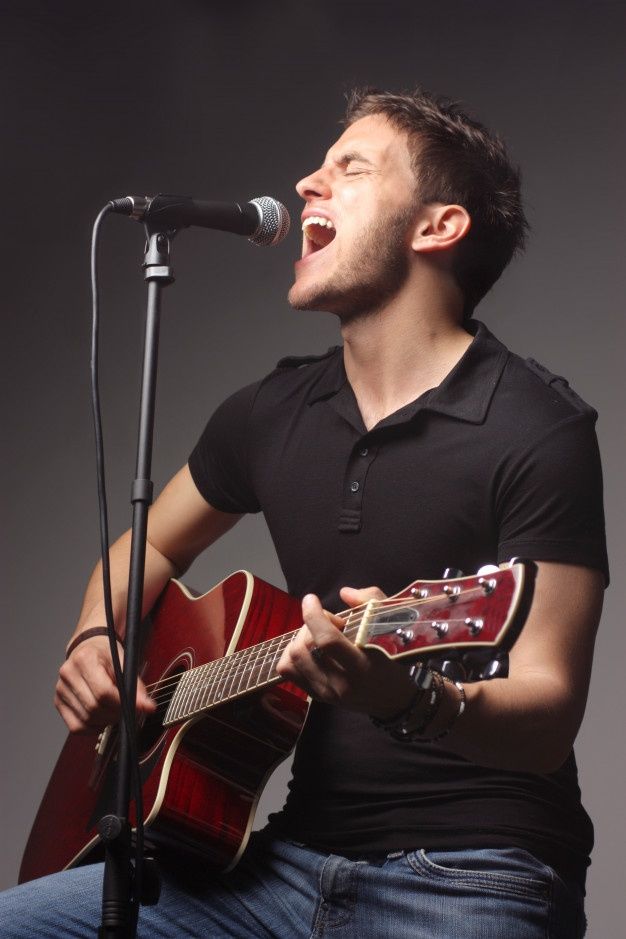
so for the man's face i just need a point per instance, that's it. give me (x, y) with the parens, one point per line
(357, 222)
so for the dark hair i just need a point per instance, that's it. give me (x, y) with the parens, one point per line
(458, 161)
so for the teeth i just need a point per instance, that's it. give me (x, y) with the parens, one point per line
(317, 220)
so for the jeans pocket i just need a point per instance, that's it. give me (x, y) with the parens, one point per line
(510, 871)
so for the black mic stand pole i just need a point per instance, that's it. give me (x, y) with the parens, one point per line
(120, 899)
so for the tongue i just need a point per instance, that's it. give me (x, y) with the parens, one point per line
(320, 235)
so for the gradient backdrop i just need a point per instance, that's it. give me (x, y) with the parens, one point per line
(228, 101)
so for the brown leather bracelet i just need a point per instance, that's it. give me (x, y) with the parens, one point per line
(89, 634)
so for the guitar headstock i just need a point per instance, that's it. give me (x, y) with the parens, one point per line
(429, 616)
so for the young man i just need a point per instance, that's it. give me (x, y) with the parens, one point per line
(421, 444)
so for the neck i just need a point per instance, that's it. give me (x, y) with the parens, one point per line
(395, 354)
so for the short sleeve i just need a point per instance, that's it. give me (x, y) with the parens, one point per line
(549, 504)
(219, 463)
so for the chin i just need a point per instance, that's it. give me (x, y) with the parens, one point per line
(302, 298)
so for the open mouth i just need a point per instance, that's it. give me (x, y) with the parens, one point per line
(318, 234)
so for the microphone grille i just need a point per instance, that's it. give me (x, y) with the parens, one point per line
(274, 222)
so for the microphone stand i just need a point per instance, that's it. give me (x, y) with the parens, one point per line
(122, 884)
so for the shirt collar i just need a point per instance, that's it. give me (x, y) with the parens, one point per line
(465, 393)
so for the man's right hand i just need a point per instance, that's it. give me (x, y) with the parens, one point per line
(86, 695)
(181, 524)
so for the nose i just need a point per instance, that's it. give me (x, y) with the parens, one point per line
(314, 186)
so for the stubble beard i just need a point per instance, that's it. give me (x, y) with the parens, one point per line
(366, 281)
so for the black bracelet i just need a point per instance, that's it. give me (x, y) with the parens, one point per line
(397, 720)
(89, 634)
(409, 724)
(456, 715)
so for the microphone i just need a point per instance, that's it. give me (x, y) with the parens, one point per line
(264, 220)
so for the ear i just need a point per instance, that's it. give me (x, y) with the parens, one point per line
(439, 227)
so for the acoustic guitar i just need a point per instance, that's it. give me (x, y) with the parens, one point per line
(225, 719)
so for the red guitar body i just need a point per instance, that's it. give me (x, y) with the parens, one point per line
(202, 778)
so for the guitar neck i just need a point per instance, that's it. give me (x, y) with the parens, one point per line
(425, 618)
(238, 674)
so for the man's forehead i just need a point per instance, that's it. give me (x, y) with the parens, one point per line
(373, 137)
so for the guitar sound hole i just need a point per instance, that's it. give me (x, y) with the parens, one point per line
(152, 728)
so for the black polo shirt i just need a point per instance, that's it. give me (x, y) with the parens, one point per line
(499, 460)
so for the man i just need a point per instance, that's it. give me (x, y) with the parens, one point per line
(421, 444)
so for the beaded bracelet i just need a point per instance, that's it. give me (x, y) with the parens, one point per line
(400, 725)
(456, 715)
(89, 634)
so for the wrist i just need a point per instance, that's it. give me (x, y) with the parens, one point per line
(90, 633)
(396, 702)
(432, 712)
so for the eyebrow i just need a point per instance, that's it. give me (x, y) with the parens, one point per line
(351, 155)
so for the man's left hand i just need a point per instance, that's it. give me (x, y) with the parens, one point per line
(330, 668)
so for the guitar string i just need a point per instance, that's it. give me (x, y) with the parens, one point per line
(344, 614)
(207, 681)
(397, 603)
(239, 660)
(233, 671)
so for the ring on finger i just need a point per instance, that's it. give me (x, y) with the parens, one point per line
(317, 655)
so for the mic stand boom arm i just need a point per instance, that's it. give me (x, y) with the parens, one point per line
(120, 891)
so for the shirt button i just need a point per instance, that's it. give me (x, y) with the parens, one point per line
(354, 486)
(364, 451)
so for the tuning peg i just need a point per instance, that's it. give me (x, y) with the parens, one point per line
(496, 668)
(451, 573)
(453, 670)
(487, 569)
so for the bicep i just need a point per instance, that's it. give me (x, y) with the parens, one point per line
(181, 523)
(556, 643)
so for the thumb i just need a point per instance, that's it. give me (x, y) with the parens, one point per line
(354, 596)
(145, 702)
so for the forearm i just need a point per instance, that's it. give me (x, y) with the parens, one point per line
(158, 570)
(527, 723)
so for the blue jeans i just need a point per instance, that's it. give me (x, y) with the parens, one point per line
(281, 890)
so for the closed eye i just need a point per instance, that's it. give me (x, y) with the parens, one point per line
(354, 163)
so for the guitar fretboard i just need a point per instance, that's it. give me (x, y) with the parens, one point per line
(425, 618)
(234, 676)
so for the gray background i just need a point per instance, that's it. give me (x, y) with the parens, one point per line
(227, 101)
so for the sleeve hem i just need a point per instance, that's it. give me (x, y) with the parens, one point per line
(213, 497)
(562, 552)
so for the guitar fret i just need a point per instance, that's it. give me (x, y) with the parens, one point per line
(218, 684)
(231, 675)
(174, 707)
(191, 677)
(271, 662)
(191, 680)
(244, 667)
(196, 701)
(252, 671)
(247, 662)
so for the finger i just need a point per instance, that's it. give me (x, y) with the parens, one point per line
(354, 596)
(86, 689)
(91, 709)
(326, 637)
(73, 723)
(93, 667)
(93, 660)
(145, 701)
(299, 665)
(68, 704)
(102, 684)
